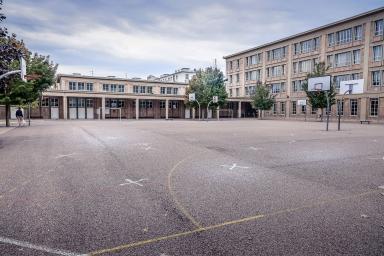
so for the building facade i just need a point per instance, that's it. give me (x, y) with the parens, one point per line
(183, 75)
(352, 49)
(88, 97)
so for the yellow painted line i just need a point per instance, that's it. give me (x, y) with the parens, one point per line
(176, 201)
(228, 223)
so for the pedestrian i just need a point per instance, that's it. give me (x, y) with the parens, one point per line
(19, 116)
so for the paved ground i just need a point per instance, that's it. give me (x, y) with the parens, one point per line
(245, 187)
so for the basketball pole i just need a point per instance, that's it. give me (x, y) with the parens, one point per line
(326, 95)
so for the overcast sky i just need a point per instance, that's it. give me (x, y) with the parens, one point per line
(135, 38)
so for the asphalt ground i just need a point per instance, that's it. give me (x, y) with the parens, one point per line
(178, 187)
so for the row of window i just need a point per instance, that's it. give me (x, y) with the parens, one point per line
(113, 88)
(344, 59)
(304, 66)
(80, 103)
(254, 59)
(277, 54)
(345, 36)
(306, 46)
(80, 86)
(276, 71)
(169, 90)
(142, 89)
(46, 102)
(254, 75)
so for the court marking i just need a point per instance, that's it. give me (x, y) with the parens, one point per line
(128, 181)
(234, 165)
(42, 248)
(173, 195)
(224, 224)
(66, 155)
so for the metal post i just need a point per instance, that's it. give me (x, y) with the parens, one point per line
(208, 108)
(199, 108)
(327, 110)
(29, 114)
(339, 115)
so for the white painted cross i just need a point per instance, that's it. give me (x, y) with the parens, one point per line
(234, 166)
(128, 181)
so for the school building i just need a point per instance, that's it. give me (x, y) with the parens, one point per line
(353, 50)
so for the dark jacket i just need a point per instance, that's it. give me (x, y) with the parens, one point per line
(19, 113)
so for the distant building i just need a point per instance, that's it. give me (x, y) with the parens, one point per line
(180, 76)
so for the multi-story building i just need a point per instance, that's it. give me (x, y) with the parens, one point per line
(180, 76)
(352, 48)
(88, 97)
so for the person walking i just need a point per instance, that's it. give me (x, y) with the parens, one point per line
(19, 116)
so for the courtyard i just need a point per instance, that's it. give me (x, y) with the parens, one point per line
(183, 187)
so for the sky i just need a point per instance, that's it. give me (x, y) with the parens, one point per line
(137, 38)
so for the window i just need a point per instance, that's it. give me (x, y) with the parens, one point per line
(80, 102)
(358, 33)
(376, 78)
(169, 90)
(379, 27)
(246, 91)
(274, 108)
(237, 92)
(145, 104)
(306, 66)
(106, 87)
(54, 102)
(338, 79)
(237, 78)
(277, 87)
(356, 56)
(252, 90)
(374, 107)
(135, 89)
(303, 109)
(80, 86)
(230, 65)
(275, 71)
(113, 87)
(294, 107)
(307, 46)
(72, 86)
(238, 63)
(282, 107)
(186, 76)
(72, 102)
(377, 53)
(343, 59)
(230, 79)
(162, 104)
(297, 86)
(162, 90)
(340, 108)
(330, 60)
(254, 59)
(175, 91)
(142, 89)
(344, 36)
(121, 88)
(44, 102)
(149, 89)
(331, 39)
(173, 104)
(277, 54)
(120, 103)
(89, 86)
(353, 104)
(89, 103)
(230, 92)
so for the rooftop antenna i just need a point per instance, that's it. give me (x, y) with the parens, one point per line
(215, 64)
(91, 72)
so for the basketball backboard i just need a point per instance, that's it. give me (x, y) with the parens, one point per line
(322, 83)
(353, 86)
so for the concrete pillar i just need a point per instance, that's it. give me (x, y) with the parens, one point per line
(137, 108)
(366, 61)
(65, 107)
(193, 113)
(363, 108)
(239, 110)
(103, 108)
(166, 108)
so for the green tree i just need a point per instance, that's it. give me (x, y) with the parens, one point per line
(318, 100)
(262, 99)
(206, 84)
(11, 49)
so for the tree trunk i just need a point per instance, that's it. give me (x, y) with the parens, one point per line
(7, 114)
(322, 114)
(261, 114)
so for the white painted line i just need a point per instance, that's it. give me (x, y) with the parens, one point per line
(62, 156)
(233, 166)
(128, 181)
(381, 187)
(254, 148)
(38, 247)
(292, 141)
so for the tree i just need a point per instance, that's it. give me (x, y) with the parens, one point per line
(262, 99)
(11, 49)
(206, 84)
(318, 100)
